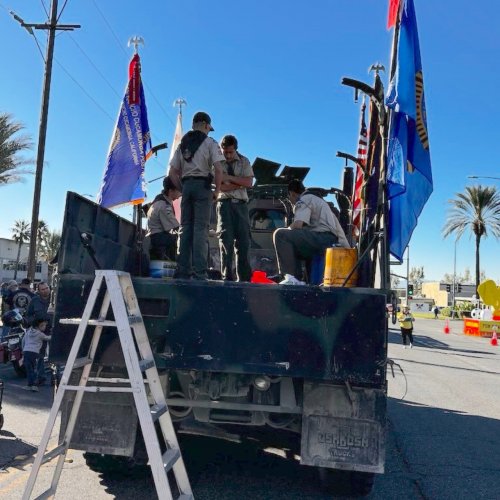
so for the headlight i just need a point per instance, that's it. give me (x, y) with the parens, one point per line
(13, 342)
(262, 382)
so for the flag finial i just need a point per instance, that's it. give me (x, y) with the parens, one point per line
(135, 41)
(377, 67)
(180, 101)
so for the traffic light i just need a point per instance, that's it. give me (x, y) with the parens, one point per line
(410, 290)
(459, 288)
(448, 288)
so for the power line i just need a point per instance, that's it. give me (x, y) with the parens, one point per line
(110, 28)
(82, 88)
(39, 48)
(45, 8)
(115, 36)
(62, 10)
(95, 67)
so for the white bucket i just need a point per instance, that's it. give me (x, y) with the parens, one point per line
(162, 268)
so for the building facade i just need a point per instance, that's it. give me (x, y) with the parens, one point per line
(442, 293)
(8, 256)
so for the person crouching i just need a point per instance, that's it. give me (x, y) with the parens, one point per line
(33, 340)
(162, 224)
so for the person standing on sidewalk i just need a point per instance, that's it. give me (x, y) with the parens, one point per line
(33, 340)
(37, 308)
(406, 320)
(233, 224)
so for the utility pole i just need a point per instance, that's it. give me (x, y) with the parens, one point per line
(52, 27)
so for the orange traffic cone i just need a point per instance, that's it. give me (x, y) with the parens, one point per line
(494, 339)
(446, 328)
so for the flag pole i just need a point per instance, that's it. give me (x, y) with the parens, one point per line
(135, 41)
(385, 148)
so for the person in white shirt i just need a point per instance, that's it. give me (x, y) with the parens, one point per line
(33, 340)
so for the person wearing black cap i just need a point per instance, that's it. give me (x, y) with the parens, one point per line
(162, 224)
(313, 229)
(196, 162)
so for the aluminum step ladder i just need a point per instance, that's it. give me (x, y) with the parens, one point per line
(141, 368)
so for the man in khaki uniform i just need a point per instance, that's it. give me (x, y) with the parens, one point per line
(162, 224)
(233, 225)
(314, 229)
(191, 171)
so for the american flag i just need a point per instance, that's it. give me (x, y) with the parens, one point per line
(358, 202)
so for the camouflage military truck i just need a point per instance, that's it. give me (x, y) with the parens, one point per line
(236, 359)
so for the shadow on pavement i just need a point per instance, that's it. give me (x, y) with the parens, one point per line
(449, 454)
(222, 470)
(432, 343)
(13, 450)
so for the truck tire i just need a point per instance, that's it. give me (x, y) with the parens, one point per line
(19, 368)
(362, 483)
(115, 465)
(346, 483)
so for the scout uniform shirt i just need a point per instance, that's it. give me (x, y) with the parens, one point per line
(202, 162)
(315, 212)
(242, 168)
(161, 217)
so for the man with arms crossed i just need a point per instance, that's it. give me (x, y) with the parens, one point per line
(233, 225)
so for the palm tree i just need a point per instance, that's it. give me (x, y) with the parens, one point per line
(10, 149)
(50, 249)
(477, 209)
(20, 234)
(41, 237)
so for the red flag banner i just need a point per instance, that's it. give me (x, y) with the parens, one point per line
(134, 77)
(358, 198)
(393, 13)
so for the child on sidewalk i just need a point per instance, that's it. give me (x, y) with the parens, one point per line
(406, 320)
(33, 340)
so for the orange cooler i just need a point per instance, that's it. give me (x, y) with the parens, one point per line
(338, 264)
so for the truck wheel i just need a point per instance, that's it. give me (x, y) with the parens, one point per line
(115, 465)
(19, 368)
(345, 483)
(362, 483)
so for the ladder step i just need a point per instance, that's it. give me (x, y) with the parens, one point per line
(170, 457)
(91, 322)
(58, 450)
(99, 321)
(146, 364)
(79, 362)
(47, 494)
(93, 388)
(157, 411)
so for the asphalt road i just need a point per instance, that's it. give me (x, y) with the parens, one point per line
(443, 437)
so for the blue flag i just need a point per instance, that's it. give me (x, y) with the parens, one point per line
(409, 174)
(123, 180)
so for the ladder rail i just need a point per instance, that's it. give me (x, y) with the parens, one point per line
(135, 375)
(75, 409)
(141, 370)
(60, 393)
(144, 347)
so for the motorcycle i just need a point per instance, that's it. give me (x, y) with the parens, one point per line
(11, 349)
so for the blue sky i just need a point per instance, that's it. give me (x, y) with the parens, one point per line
(268, 72)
